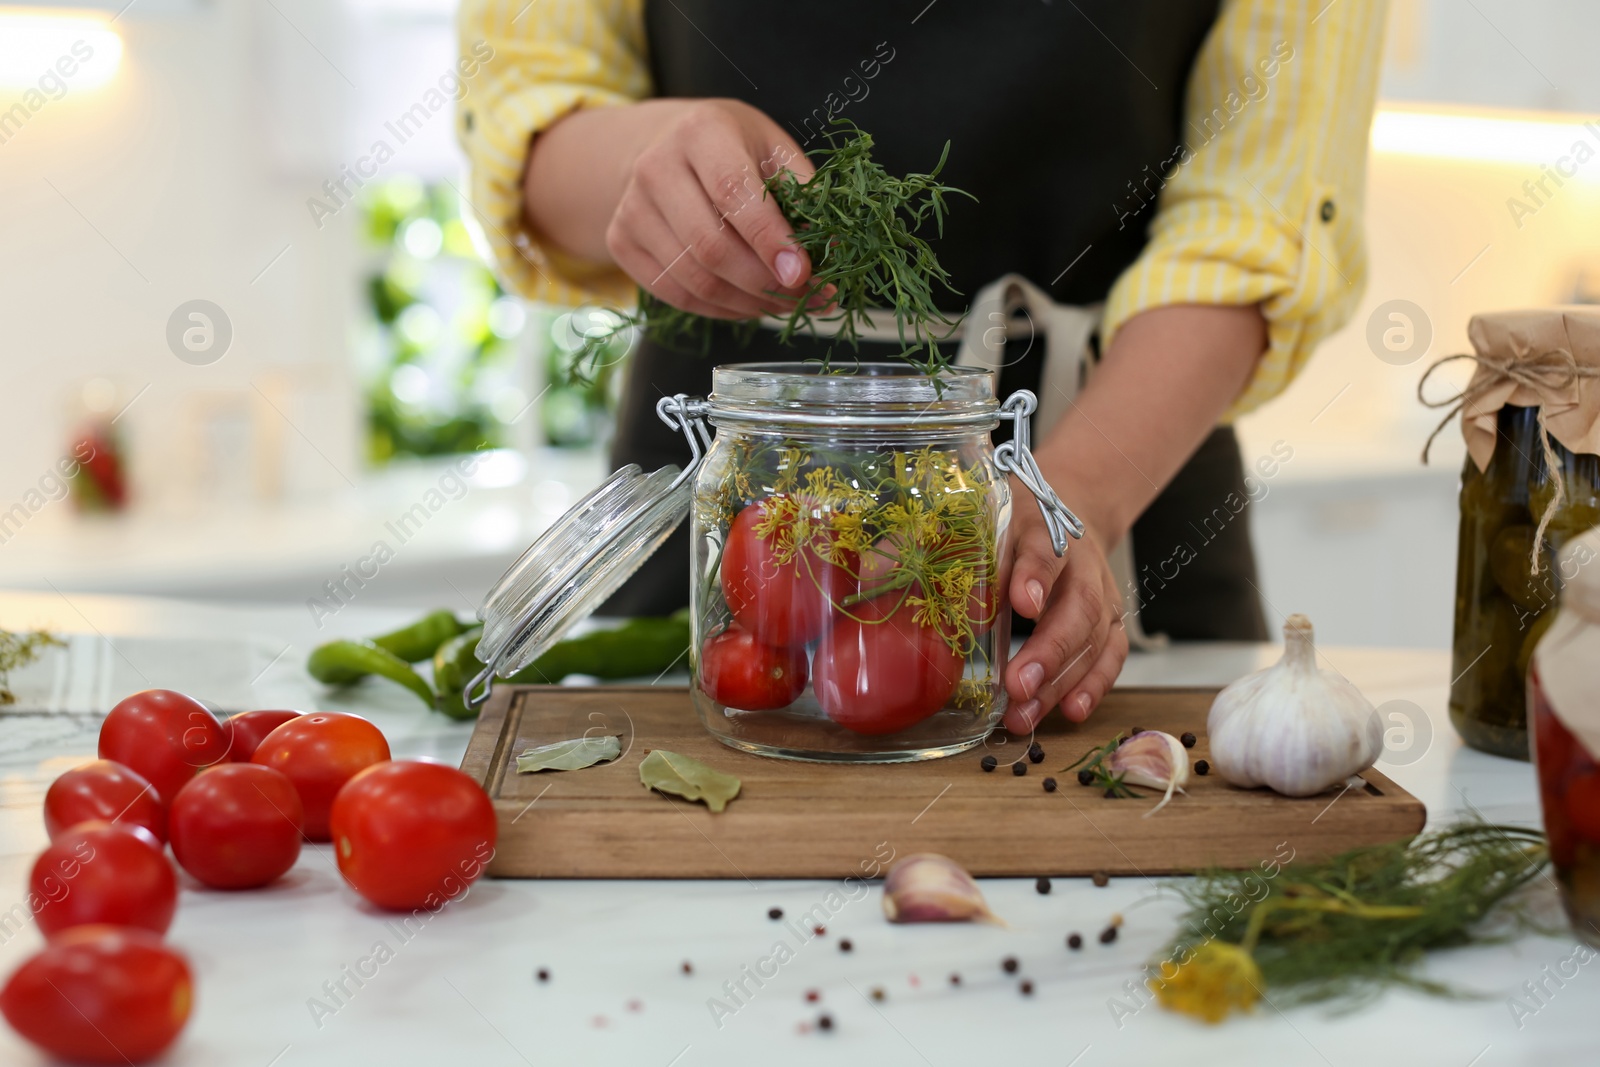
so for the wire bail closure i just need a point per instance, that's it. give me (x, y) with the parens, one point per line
(1016, 457)
(680, 412)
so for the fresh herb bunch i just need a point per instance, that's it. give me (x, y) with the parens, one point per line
(1347, 928)
(860, 225)
(19, 650)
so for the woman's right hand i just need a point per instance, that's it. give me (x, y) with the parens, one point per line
(690, 221)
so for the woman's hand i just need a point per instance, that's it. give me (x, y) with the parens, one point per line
(679, 187)
(1079, 641)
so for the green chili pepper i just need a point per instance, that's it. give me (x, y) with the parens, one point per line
(346, 662)
(637, 648)
(422, 638)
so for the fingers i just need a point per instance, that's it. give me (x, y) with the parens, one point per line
(1080, 703)
(640, 224)
(1035, 565)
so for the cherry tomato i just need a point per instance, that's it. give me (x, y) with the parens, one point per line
(781, 603)
(101, 872)
(165, 736)
(882, 675)
(106, 792)
(237, 826)
(248, 729)
(320, 752)
(100, 994)
(412, 834)
(741, 672)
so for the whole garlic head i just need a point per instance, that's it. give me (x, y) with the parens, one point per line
(1292, 727)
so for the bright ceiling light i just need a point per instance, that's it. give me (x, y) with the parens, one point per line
(1486, 136)
(54, 54)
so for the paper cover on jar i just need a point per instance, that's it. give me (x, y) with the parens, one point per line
(1543, 357)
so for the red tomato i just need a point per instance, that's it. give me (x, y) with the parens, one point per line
(781, 603)
(248, 729)
(164, 736)
(100, 994)
(877, 677)
(411, 834)
(101, 872)
(741, 672)
(320, 752)
(106, 792)
(237, 826)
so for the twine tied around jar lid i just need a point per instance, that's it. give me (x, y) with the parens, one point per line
(1549, 372)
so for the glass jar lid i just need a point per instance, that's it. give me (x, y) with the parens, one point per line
(583, 558)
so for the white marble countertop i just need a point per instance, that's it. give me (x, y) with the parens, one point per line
(461, 989)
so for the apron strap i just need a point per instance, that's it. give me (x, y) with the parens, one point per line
(1067, 365)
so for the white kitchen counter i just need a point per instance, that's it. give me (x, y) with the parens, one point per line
(461, 989)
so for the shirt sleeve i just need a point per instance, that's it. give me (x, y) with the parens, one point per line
(539, 60)
(1264, 201)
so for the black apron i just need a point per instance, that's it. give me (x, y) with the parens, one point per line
(1060, 118)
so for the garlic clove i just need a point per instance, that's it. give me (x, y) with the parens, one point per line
(1154, 759)
(929, 888)
(1293, 727)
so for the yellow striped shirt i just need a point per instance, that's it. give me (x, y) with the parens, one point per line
(1265, 207)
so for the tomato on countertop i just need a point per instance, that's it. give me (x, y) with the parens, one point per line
(103, 873)
(101, 994)
(248, 729)
(237, 826)
(103, 791)
(320, 752)
(165, 736)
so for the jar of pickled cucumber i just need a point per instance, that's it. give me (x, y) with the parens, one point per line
(849, 537)
(1564, 711)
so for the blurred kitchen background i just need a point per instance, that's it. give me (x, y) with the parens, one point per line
(347, 356)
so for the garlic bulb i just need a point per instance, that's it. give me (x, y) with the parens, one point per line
(1293, 727)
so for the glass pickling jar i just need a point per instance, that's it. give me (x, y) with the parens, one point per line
(850, 535)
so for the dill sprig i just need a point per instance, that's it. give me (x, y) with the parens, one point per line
(862, 228)
(1349, 927)
(19, 650)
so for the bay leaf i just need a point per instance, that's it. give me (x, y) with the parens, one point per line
(573, 755)
(673, 772)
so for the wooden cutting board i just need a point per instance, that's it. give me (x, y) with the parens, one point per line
(816, 820)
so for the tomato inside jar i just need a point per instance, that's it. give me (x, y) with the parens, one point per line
(848, 535)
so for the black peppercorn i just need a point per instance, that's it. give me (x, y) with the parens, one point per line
(1201, 767)
(1111, 794)
(955, 979)
(543, 974)
(1036, 753)
(988, 763)
(824, 1022)
(1074, 941)
(1049, 785)
(1019, 768)
(1187, 739)
(1136, 730)
(1026, 987)
(1086, 777)
(1009, 965)
(1108, 935)
(774, 914)
(1101, 878)
(1041, 885)
(845, 945)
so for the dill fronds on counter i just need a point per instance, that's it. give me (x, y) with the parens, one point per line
(19, 650)
(1347, 928)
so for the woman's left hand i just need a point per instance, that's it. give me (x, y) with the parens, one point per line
(1079, 641)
